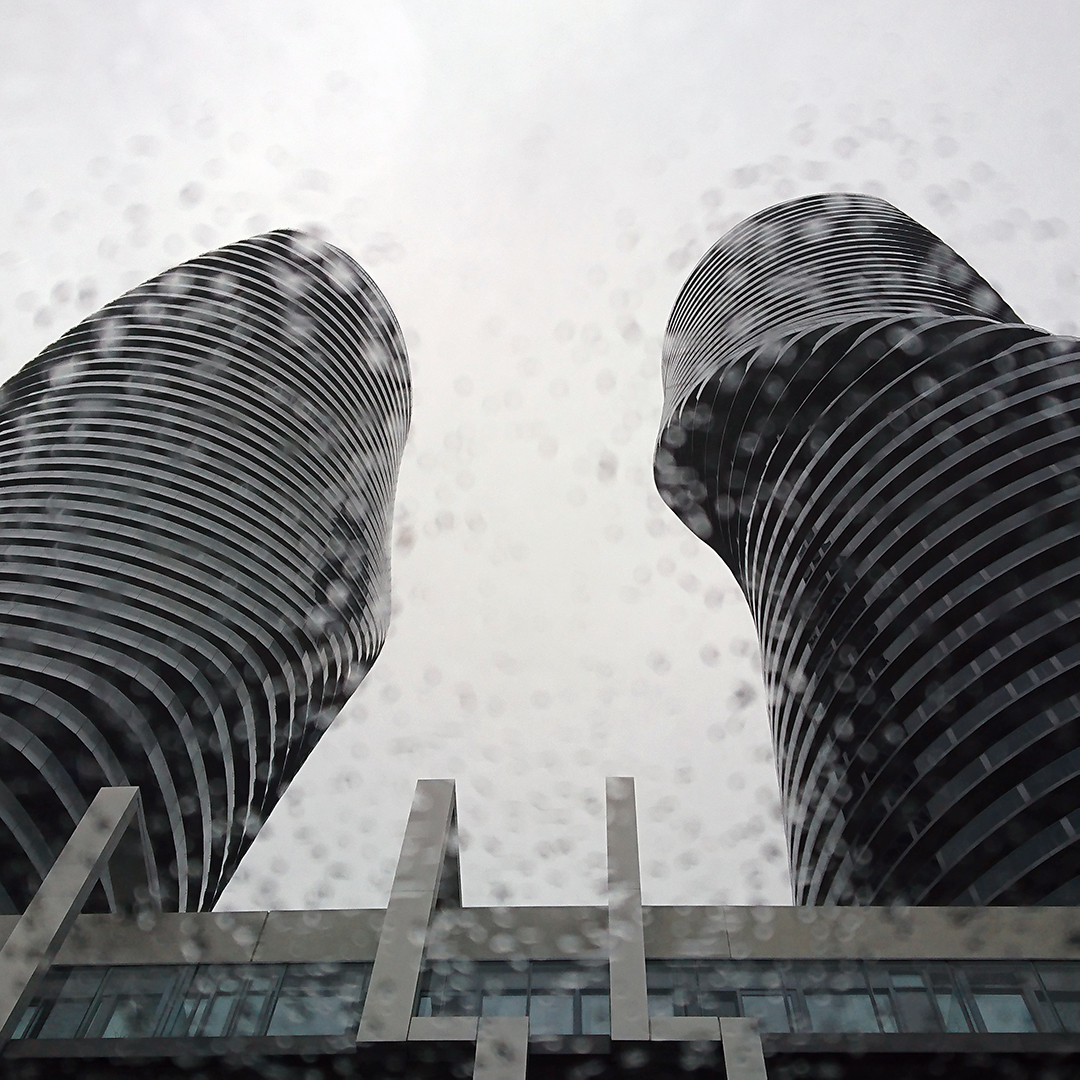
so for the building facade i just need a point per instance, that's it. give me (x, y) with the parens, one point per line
(886, 458)
(428, 988)
(196, 489)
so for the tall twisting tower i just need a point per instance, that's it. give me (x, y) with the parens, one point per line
(196, 489)
(887, 459)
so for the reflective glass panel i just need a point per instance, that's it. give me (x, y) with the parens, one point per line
(132, 1002)
(716, 1003)
(319, 999)
(508, 1003)
(74, 997)
(226, 999)
(662, 1003)
(1002, 1011)
(595, 1013)
(551, 1013)
(917, 1012)
(1062, 984)
(952, 1011)
(836, 1011)
(770, 1009)
(998, 990)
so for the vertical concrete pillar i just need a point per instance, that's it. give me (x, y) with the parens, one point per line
(41, 929)
(396, 972)
(626, 933)
(502, 1048)
(743, 1057)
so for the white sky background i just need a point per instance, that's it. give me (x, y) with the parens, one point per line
(529, 184)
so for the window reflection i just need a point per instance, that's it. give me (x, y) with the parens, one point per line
(319, 999)
(1062, 989)
(561, 998)
(211, 1001)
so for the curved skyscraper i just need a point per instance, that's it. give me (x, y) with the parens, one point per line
(196, 489)
(887, 459)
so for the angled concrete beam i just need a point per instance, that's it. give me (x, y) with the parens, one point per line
(131, 880)
(502, 1048)
(40, 931)
(626, 934)
(389, 1004)
(743, 1056)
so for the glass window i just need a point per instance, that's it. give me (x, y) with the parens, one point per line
(450, 988)
(66, 999)
(952, 1011)
(595, 1013)
(319, 999)
(508, 1003)
(1004, 1011)
(551, 1013)
(1062, 982)
(500, 979)
(998, 991)
(770, 1010)
(917, 1011)
(131, 1002)
(841, 1010)
(661, 1003)
(885, 1012)
(226, 999)
(716, 1003)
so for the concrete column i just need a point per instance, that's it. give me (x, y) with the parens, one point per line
(502, 1048)
(41, 929)
(743, 1057)
(626, 934)
(389, 1004)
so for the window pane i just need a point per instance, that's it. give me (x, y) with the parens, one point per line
(884, 1010)
(64, 1020)
(73, 997)
(661, 1004)
(1062, 984)
(132, 1002)
(226, 999)
(595, 1014)
(1003, 1011)
(551, 1014)
(917, 1011)
(215, 1015)
(715, 1003)
(770, 1010)
(846, 1011)
(998, 990)
(30, 1014)
(507, 1004)
(318, 1000)
(952, 1012)
(250, 1014)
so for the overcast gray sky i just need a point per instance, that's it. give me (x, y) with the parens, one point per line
(529, 184)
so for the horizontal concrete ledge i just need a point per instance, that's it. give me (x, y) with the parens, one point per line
(742, 933)
(443, 1029)
(684, 1029)
(773, 1044)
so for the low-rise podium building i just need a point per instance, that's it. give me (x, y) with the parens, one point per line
(428, 988)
